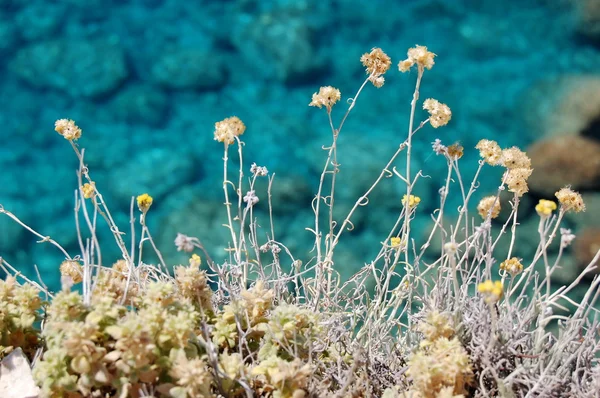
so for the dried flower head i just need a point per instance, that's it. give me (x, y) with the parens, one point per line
(326, 97)
(184, 243)
(144, 201)
(545, 207)
(227, 129)
(258, 171)
(418, 55)
(566, 237)
(514, 158)
(68, 129)
(516, 180)
(72, 269)
(439, 114)
(436, 325)
(570, 200)
(413, 201)
(376, 62)
(250, 198)
(513, 266)
(489, 205)
(455, 151)
(490, 151)
(492, 292)
(438, 147)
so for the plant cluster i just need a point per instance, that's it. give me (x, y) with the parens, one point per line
(450, 314)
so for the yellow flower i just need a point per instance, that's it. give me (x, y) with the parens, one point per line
(413, 201)
(513, 266)
(195, 260)
(88, 189)
(395, 242)
(545, 207)
(491, 291)
(144, 201)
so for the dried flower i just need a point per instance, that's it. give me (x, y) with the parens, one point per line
(326, 97)
(513, 266)
(514, 158)
(229, 128)
(72, 269)
(455, 151)
(184, 243)
(439, 114)
(487, 204)
(438, 148)
(545, 207)
(250, 198)
(566, 237)
(492, 292)
(490, 151)
(88, 190)
(258, 171)
(68, 129)
(570, 200)
(376, 64)
(436, 325)
(413, 201)
(144, 201)
(450, 248)
(418, 55)
(516, 179)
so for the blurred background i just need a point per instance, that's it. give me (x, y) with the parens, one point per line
(147, 79)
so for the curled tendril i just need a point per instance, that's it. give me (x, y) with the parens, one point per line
(363, 201)
(350, 226)
(350, 101)
(388, 173)
(327, 200)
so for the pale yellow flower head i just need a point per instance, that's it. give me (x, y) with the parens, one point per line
(490, 151)
(88, 190)
(513, 266)
(326, 97)
(227, 129)
(570, 200)
(489, 205)
(492, 292)
(545, 207)
(420, 56)
(412, 201)
(68, 129)
(439, 114)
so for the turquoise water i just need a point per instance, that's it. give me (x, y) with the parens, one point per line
(147, 80)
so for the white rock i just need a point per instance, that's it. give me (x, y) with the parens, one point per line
(16, 380)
